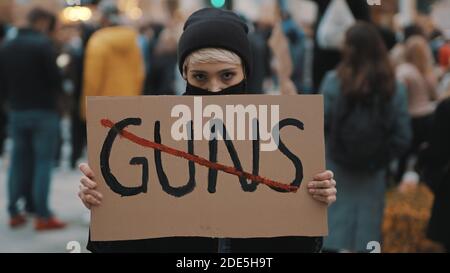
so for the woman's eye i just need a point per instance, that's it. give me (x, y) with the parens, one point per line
(228, 76)
(200, 77)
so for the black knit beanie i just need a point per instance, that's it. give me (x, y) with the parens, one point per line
(215, 28)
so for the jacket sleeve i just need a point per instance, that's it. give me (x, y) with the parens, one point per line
(92, 74)
(401, 126)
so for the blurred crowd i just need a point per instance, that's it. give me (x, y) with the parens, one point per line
(47, 69)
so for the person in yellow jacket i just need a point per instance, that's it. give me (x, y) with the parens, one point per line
(114, 64)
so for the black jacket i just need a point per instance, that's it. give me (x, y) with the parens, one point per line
(438, 160)
(210, 245)
(30, 78)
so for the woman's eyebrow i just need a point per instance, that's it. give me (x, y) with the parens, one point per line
(228, 70)
(198, 71)
(231, 69)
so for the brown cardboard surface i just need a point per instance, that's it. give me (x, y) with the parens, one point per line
(229, 212)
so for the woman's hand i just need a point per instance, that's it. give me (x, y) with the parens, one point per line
(323, 188)
(88, 195)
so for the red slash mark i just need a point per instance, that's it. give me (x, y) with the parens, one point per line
(199, 160)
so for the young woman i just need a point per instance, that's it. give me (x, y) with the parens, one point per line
(416, 73)
(214, 59)
(367, 125)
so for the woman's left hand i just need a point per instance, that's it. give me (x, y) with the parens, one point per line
(323, 188)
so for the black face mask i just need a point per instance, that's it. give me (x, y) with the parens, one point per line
(239, 89)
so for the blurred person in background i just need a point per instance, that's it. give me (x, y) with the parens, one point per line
(260, 32)
(151, 33)
(436, 174)
(444, 62)
(3, 117)
(113, 64)
(366, 127)
(78, 126)
(164, 59)
(417, 74)
(163, 76)
(32, 83)
(397, 53)
(146, 35)
(296, 39)
(413, 30)
(325, 59)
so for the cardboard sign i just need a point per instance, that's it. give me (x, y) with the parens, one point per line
(220, 166)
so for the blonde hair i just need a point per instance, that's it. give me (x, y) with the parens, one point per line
(418, 53)
(211, 55)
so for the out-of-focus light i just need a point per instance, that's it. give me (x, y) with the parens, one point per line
(68, 14)
(218, 3)
(135, 13)
(85, 13)
(77, 13)
(63, 60)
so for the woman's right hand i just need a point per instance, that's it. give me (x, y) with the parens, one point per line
(88, 194)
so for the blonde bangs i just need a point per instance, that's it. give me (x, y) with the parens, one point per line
(212, 56)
